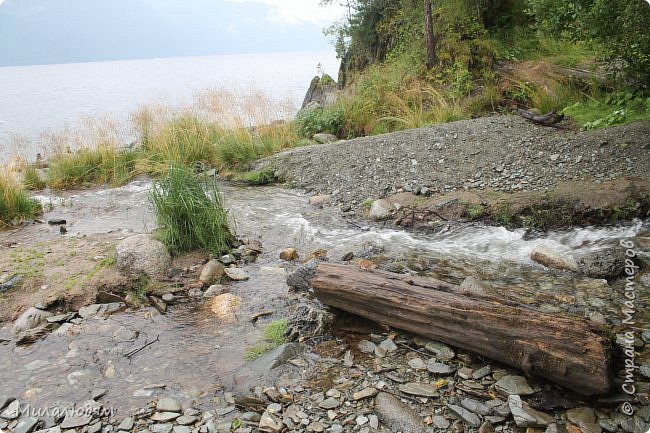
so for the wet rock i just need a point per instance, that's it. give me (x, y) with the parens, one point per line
(270, 423)
(308, 318)
(225, 306)
(30, 319)
(169, 405)
(419, 389)
(26, 425)
(300, 279)
(141, 254)
(604, 263)
(289, 254)
(525, 416)
(264, 370)
(380, 210)
(513, 385)
(439, 368)
(440, 350)
(12, 411)
(96, 310)
(397, 416)
(215, 290)
(466, 416)
(553, 259)
(212, 272)
(236, 274)
(634, 425)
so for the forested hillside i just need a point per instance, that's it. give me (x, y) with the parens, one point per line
(407, 63)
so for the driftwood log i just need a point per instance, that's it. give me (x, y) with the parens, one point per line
(562, 349)
(548, 119)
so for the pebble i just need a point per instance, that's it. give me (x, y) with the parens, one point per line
(440, 422)
(388, 345)
(364, 393)
(366, 346)
(439, 368)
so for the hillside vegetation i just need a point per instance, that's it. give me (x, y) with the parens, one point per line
(587, 58)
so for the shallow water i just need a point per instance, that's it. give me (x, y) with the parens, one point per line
(195, 349)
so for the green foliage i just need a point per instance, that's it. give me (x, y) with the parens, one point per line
(327, 119)
(274, 336)
(620, 26)
(611, 109)
(260, 177)
(15, 204)
(190, 213)
(476, 211)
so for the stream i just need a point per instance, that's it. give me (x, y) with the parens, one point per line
(195, 349)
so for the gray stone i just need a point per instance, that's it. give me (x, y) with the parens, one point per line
(236, 274)
(440, 422)
(417, 364)
(440, 350)
(300, 279)
(4, 401)
(161, 428)
(164, 416)
(509, 385)
(419, 389)
(475, 406)
(12, 411)
(187, 420)
(215, 290)
(323, 138)
(634, 425)
(126, 424)
(264, 370)
(168, 405)
(270, 423)
(96, 310)
(466, 416)
(397, 416)
(486, 427)
(141, 254)
(30, 319)
(25, 425)
(645, 370)
(251, 417)
(366, 346)
(608, 425)
(526, 416)
(604, 263)
(440, 368)
(364, 393)
(70, 421)
(329, 403)
(182, 429)
(482, 372)
(581, 415)
(212, 272)
(380, 210)
(169, 298)
(95, 428)
(388, 345)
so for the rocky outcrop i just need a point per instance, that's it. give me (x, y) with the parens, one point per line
(321, 93)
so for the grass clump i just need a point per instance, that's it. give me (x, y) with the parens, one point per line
(15, 204)
(190, 213)
(92, 166)
(260, 177)
(31, 178)
(476, 211)
(274, 336)
(611, 109)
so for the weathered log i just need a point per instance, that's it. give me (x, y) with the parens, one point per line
(563, 349)
(548, 119)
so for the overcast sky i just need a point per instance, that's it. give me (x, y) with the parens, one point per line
(63, 31)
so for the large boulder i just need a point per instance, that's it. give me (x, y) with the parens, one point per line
(321, 93)
(30, 319)
(142, 255)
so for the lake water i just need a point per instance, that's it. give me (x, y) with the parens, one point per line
(37, 102)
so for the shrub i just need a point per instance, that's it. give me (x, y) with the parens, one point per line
(190, 213)
(260, 177)
(328, 120)
(14, 202)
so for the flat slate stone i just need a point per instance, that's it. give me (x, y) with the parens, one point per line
(466, 416)
(168, 405)
(12, 411)
(441, 350)
(397, 416)
(71, 422)
(439, 368)
(513, 385)
(165, 416)
(25, 425)
(419, 389)
(475, 406)
(4, 401)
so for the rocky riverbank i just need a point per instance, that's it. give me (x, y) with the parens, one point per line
(498, 159)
